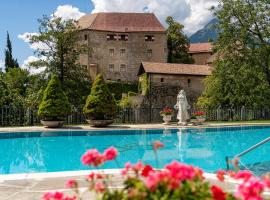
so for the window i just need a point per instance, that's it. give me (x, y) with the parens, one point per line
(162, 80)
(111, 68)
(149, 52)
(123, 37)
(111, 37)
(111, 52)
(122, 68)
(85, 37)
(189, 82)
(149, 38)
(122, 52)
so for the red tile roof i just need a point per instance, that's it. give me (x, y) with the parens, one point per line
(200, 47)
(121, 22)
(175, 68)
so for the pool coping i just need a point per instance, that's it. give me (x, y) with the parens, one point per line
(123, 127)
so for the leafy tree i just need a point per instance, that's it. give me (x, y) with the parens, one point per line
(100, 104)
(242, 71)
(177, 42)
(54, 104)
(10, 62)
(59, 51)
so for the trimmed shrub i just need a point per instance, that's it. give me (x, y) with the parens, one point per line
(100, 104)
(54, 104)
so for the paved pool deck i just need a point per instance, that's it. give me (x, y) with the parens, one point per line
(33, 186)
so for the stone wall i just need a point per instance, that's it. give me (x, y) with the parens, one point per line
(136, 50)
(164, 89)
(201, 58)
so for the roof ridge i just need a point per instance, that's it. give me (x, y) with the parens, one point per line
(95, 17)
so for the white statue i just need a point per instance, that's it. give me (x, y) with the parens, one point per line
(182, 106)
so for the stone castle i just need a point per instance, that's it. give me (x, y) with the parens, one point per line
(124, 46)
(120, 42)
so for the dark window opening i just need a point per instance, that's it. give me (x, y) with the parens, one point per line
(111, 37)
(123, 37)
(111, 52)
(85, 37)
(162, 80)
(149, 38)
(189, 82)
(111, 68)
(149, 52)
(122, 68)
(122, 52)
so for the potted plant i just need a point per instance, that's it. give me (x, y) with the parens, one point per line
(100, 107)
(166, 113)
(200, 116)
(54, 105)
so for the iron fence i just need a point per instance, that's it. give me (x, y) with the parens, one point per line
(11, 116)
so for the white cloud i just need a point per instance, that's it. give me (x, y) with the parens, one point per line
(35, 46)
(194, 14)
(2, 65)
(67, 12)
(32, 70)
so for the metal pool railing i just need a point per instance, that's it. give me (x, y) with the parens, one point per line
(237, 156)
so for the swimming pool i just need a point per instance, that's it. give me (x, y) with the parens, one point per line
(25, 152)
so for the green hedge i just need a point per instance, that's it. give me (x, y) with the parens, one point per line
(117, 88)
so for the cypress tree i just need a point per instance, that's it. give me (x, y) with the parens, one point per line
(54, 104)
(100, 104)
(10, 62)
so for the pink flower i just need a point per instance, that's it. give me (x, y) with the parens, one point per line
(128, 165)
(91, 176)
(53, 196)
(245, 174)
(110, 153)
(137, 167)
(92, 157)
(181, 171)
(266, 181)
(157, 145)
(220, 175)
(250, 189)
(99, 187)
(156, 177)
(124, 172)
(218, 193)
(71, 183)
(146, 170)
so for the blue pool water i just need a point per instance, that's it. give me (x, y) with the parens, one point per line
(25, 152)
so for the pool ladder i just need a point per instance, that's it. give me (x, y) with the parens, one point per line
(227, 158)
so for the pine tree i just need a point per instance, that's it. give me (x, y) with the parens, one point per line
(9, 61)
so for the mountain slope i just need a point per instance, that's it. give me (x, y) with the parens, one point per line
(206, 33)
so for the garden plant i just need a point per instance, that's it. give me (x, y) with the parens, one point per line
(54, 105)
(100, 104)
(175, 181)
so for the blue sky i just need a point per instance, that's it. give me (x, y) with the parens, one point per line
(20, 16)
